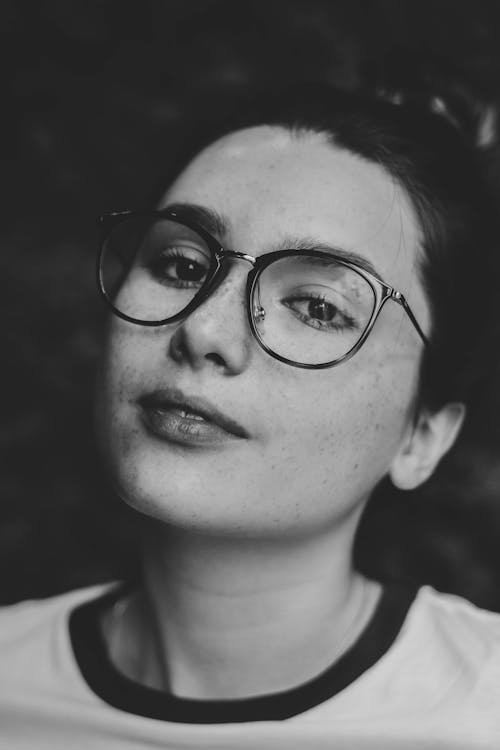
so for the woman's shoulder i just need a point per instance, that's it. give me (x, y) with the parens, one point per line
(442, 666)
(448, 635)
(455, 617)
(31, 619)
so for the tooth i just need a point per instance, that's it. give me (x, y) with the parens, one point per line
(190, 415)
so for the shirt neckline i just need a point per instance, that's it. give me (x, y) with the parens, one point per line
(117, 690)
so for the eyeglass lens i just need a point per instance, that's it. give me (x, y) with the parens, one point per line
(309, 309)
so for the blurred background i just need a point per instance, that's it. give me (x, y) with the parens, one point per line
(95, 94)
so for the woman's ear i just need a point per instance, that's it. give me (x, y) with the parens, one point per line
(424, 444)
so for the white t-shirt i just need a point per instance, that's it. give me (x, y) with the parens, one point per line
(425, 673)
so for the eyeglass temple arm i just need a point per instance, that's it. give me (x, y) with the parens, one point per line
(402, 301)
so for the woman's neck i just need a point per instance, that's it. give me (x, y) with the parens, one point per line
(224, 618)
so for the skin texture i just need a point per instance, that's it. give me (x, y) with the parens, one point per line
(255, 536)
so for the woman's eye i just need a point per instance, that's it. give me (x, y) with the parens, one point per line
(179, 268)
(320, 309)
(320, 313)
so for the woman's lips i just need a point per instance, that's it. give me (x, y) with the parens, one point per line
(173, 416)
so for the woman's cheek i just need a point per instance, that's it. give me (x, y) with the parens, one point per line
(355, 424)
(114, 403)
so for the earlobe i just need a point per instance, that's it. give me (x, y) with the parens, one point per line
(424, 444)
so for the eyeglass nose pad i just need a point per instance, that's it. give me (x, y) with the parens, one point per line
(259, 313)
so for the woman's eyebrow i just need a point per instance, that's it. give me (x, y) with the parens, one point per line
(215, 223)
(207, 218)
(350, 256)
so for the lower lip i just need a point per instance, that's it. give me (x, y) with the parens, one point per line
(174, 428)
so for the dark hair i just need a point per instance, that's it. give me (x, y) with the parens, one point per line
(420, 141)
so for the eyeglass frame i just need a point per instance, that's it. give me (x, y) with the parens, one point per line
(381, 290)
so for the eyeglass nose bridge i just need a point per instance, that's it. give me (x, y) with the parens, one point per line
(221, 254)
(258, 311)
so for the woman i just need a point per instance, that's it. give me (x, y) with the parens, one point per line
(288, 328)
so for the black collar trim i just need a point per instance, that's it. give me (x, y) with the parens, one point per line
(119, 691)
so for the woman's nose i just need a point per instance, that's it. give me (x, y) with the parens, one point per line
(217, 333)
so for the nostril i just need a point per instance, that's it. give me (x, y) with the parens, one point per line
(216, 359)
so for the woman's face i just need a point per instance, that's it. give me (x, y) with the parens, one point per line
(316, 441)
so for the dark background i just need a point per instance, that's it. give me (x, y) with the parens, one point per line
(93, 98)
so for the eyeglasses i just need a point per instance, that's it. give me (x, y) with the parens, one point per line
(307, 308)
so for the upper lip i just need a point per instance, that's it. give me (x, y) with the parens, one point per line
(168, 398)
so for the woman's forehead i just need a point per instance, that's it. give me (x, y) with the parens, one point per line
(269, 184)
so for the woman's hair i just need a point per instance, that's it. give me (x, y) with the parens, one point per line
(426, 141)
